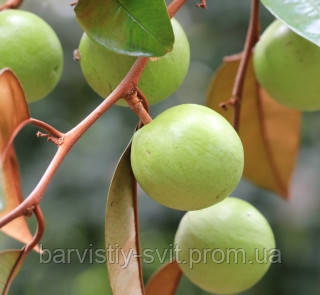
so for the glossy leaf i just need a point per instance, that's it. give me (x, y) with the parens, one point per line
(139, 28)
(9, 268)
(270, 132)
(13, 111)
(165, 281)
(121, 232)
(302, 16)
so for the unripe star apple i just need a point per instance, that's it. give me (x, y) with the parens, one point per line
(32, 50)
(288, 67)
(104, 69)
(187, 158)
(226, 248)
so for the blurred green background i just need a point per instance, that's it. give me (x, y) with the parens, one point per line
(74, 205)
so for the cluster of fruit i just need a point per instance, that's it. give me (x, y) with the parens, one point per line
(189, 157)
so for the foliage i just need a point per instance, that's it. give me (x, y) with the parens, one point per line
(274, 174)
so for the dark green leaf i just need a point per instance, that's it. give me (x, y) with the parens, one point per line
(302, 16)
(121, 231)
(138, 28)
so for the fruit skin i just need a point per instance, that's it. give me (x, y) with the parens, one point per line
(32, 50)
(288, 67)
(187, 158)
(231, 224)
(104, 69)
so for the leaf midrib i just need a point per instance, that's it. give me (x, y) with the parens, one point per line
(135, 19)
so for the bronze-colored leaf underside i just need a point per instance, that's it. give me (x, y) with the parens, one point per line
(13, 111)
(121, 232)
(270, 132)
(165, 281)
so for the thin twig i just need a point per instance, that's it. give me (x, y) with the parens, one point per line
(11, 4)
(174, 6)
(252, 38)
(40, 230)
(126, 86)
(26, 249)
(45, 126)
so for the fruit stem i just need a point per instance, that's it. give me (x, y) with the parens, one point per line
(127, 85)
(251, 40)
(136, 102)
(11, 4)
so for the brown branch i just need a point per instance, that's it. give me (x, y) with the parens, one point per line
(11, 4)
(127, 86)
(45, 126)
(40, 230)
(174, 6)
(251, 39)
(26, 249)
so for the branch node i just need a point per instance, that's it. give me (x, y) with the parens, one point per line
(56, 140)
(137, 105)
(202, 4)
(29, 211)
(133, 100)
(231, 102)
(76, 55)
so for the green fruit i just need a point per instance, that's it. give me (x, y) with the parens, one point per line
(32, 50)
(288, 67)
(226, 248)
(104, 69)
(187, 158)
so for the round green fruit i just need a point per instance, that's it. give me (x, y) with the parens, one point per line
(226, 248)
(104, 69)
(287, 66)
(187, 158)
(32, 50)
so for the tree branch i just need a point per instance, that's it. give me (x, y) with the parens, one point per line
(127, 87)
(40, 230)
(45, 126)
(26, 249)
(174, 6)
(11, 4)
(251, 40)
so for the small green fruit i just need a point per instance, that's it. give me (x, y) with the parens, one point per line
(288, 67)
(187, 158)
(226, 248)
(32, 50)
(104, 69)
